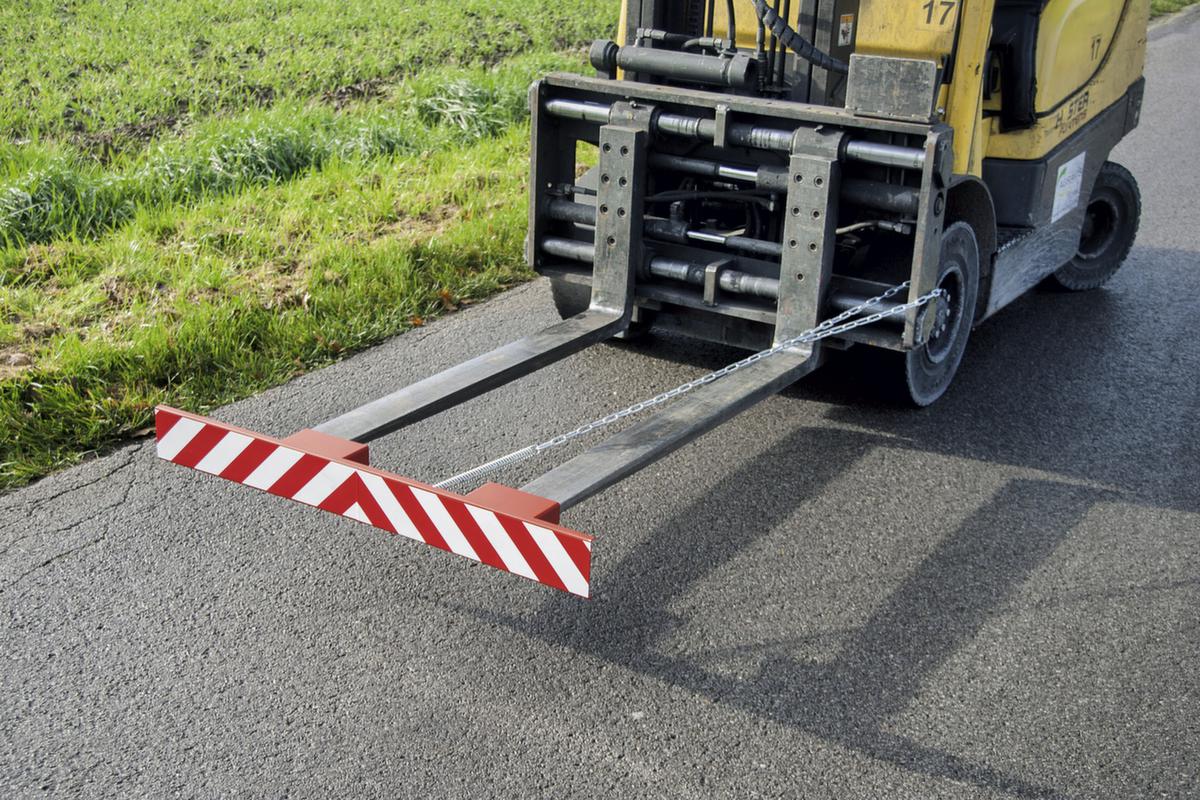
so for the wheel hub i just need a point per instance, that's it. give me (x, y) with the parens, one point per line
(1099, 227)
(945, 311)
(930, 366)
(941, 318)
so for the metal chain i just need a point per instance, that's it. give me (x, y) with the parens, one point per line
(833, 326)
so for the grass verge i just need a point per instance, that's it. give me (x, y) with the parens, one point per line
(200, 305)
(202, 200)
(56, 192)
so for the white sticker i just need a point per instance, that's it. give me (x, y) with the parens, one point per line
(846, 30)
(1067, 187)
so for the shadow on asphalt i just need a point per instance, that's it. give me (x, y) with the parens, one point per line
(880, 666)
(1051, 382)
(1061, 397)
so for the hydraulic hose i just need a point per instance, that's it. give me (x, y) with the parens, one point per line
(795, 42)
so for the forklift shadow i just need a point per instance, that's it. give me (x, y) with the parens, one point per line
(1053, 383)
(879, 667)
(1070, 395)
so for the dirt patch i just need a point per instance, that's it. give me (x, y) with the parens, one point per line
(259, 94)
(434, 221)
(35, 332)
(119, 290)
(371, 89)
(14, 362)
(42, 262)
(106, 145)
(280, 285)
(429, 223)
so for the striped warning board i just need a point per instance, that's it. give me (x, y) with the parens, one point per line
(532, 548)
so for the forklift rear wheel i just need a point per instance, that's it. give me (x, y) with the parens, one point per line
(929, 369)
(571, 298)
(1109, 229)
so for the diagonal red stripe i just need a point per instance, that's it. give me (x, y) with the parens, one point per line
(533, 554)
(248, 460)
(341, 498)
(163, 422)
(371, 507)
(301, 473)
(579, 553)
(352, 491)
(199, 446)
(470, 529)
(417, 516)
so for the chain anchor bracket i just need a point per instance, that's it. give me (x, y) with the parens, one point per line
(712, 279)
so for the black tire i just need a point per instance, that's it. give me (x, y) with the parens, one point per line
(574, 297)
(922, 375)
(1113, 214)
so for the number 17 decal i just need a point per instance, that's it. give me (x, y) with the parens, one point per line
(939, 14)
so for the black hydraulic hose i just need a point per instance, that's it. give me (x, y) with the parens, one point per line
(774, 50)
(795, 42)
(732, 24)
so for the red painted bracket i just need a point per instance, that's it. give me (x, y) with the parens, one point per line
(499, 526)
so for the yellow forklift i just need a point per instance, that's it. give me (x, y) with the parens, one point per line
(792, 177)
(1016, 102)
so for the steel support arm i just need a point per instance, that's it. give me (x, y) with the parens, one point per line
(472, 378)
(687, 418)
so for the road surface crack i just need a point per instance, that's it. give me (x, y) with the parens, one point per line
(33, 505)
(122, 500)
(53, 559)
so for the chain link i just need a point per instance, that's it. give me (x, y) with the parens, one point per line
(846, 321)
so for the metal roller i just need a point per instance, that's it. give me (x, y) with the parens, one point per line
(729, 280)
(667, 230)
(734, 72)
(742, 135)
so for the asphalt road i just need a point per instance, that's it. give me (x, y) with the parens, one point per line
(826, 597)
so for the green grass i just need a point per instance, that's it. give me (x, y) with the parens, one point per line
(52, 192)
(201, 200)
(1160, 7)
(120, 67)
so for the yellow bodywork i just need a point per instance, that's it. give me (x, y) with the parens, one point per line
(1089, 52)
(1078, 39)
(907, 29)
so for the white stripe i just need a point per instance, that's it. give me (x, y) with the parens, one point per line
(553, 550)
(392, 509)
(444, 523)
(272, 469)
(181, 433)
(323, 484)
(505, 547)
(224, 453)
(355, 512)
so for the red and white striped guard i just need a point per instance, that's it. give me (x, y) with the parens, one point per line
(527, 546)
